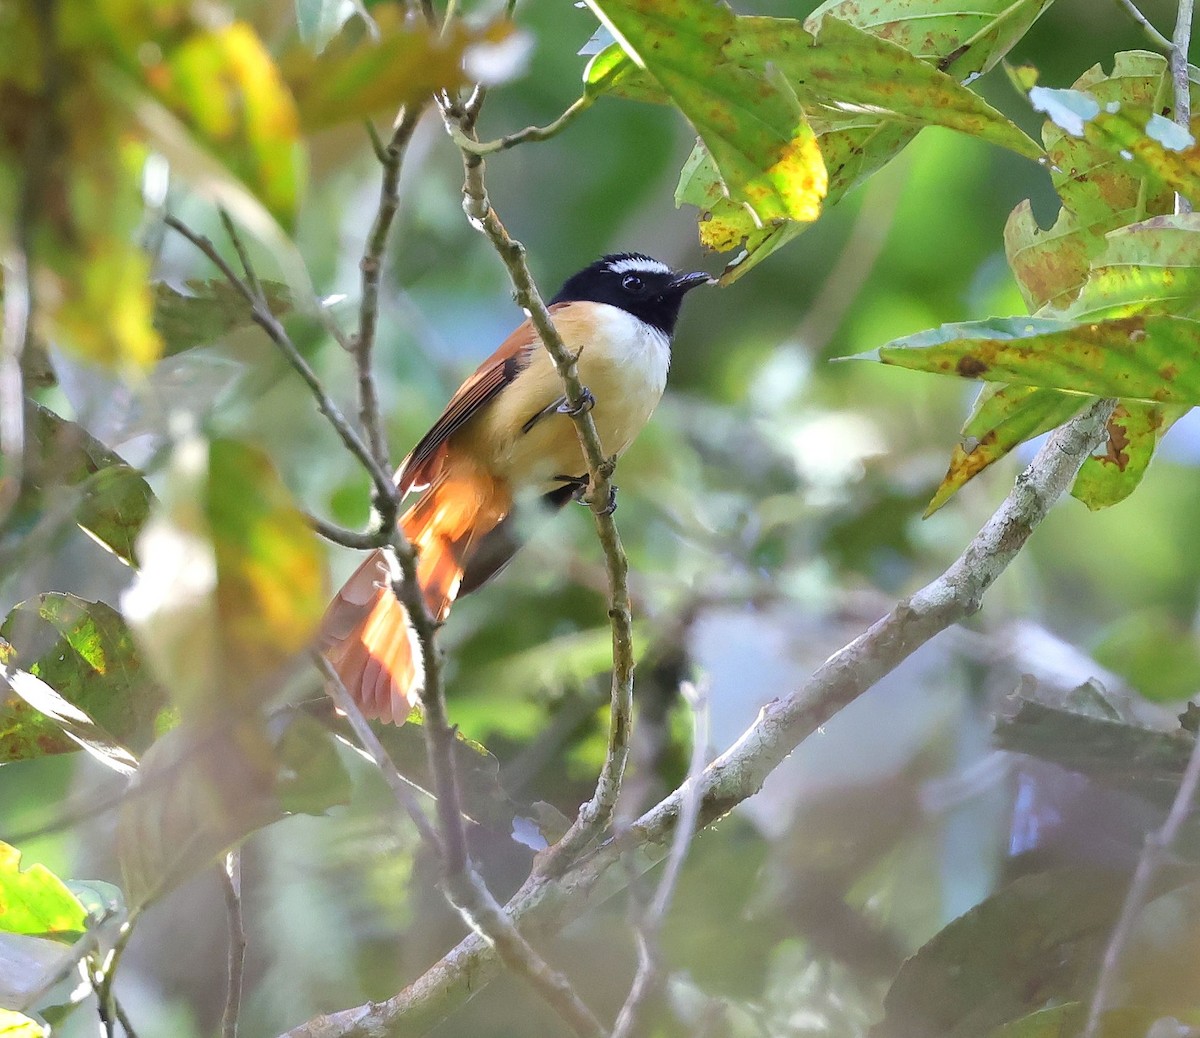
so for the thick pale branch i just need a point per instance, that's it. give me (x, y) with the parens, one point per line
(542, 903)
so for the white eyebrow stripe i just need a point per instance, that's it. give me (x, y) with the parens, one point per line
(638, 263)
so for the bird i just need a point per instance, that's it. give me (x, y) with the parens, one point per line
(506, 435)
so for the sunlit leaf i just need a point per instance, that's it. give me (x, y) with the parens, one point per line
(114, 499)
(17, 1025)
(1004, 417)
(94, 684)
(747, 115)
(1145, 357)
(359, 75)
(1134, 432)
(199, 313)
(35, 902)
(1133, 133)
(962, 42)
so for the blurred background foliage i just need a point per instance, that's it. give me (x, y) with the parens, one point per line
(771, 510)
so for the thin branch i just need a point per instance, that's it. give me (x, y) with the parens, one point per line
(376, 537)
(648, 978)
(370, 743)
(123, 1019)
(1152, 34)
(1154, 851)
(371, 267)
(1181, 42)
(595, 815)
(525, 136)
(243, 256)
(385, 489)
(231, 885)
(542, 903)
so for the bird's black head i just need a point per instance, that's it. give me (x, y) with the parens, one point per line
(642, 286)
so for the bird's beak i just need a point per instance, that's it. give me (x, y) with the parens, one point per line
(686, 282)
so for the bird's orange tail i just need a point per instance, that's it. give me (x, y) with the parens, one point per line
(366, 634)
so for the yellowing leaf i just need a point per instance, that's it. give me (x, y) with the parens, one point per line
(1152, 357)
(747, 116)
(962, 41)
(1134, 432)
(270, 567)
(18, 1025)
(1004, 416)
(226, 88)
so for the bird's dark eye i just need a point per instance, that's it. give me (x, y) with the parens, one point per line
(632, 283)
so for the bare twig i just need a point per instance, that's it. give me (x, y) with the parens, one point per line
(595, 814)
(1154, 851)
(542, 903)
(385, 489)
(369, 741)
(231, 886)
(376, 537)
(648, 978)
(123, 1019)
(243, 256)
(525, 136)
(1181, 42)
(371, 267)
(1152, 34)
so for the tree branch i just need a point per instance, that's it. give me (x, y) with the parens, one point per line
(1154, 852)
(542, 903)
(1152, 34)
(263, 316)
(596, 813)
(371, 266)
(1181, 42)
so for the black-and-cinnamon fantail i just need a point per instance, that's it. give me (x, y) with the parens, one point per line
(506, 434)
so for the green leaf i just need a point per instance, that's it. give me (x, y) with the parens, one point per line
(1134, 432)
(1004, 416)
(91, 687)
(35, 902)
(1151, 357)
(1156, 653)
(17, 1025)
(199, 313)
(746, 114)
(1063, 1021)
(1038, 939)
(114, 499)
(312, 778)
(961, 42)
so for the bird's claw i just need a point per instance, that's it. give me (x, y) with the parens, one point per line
(586, 403)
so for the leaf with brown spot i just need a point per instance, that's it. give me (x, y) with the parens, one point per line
(1121, 357)
(1134, 432)
(963, 43)
(1003, 418)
